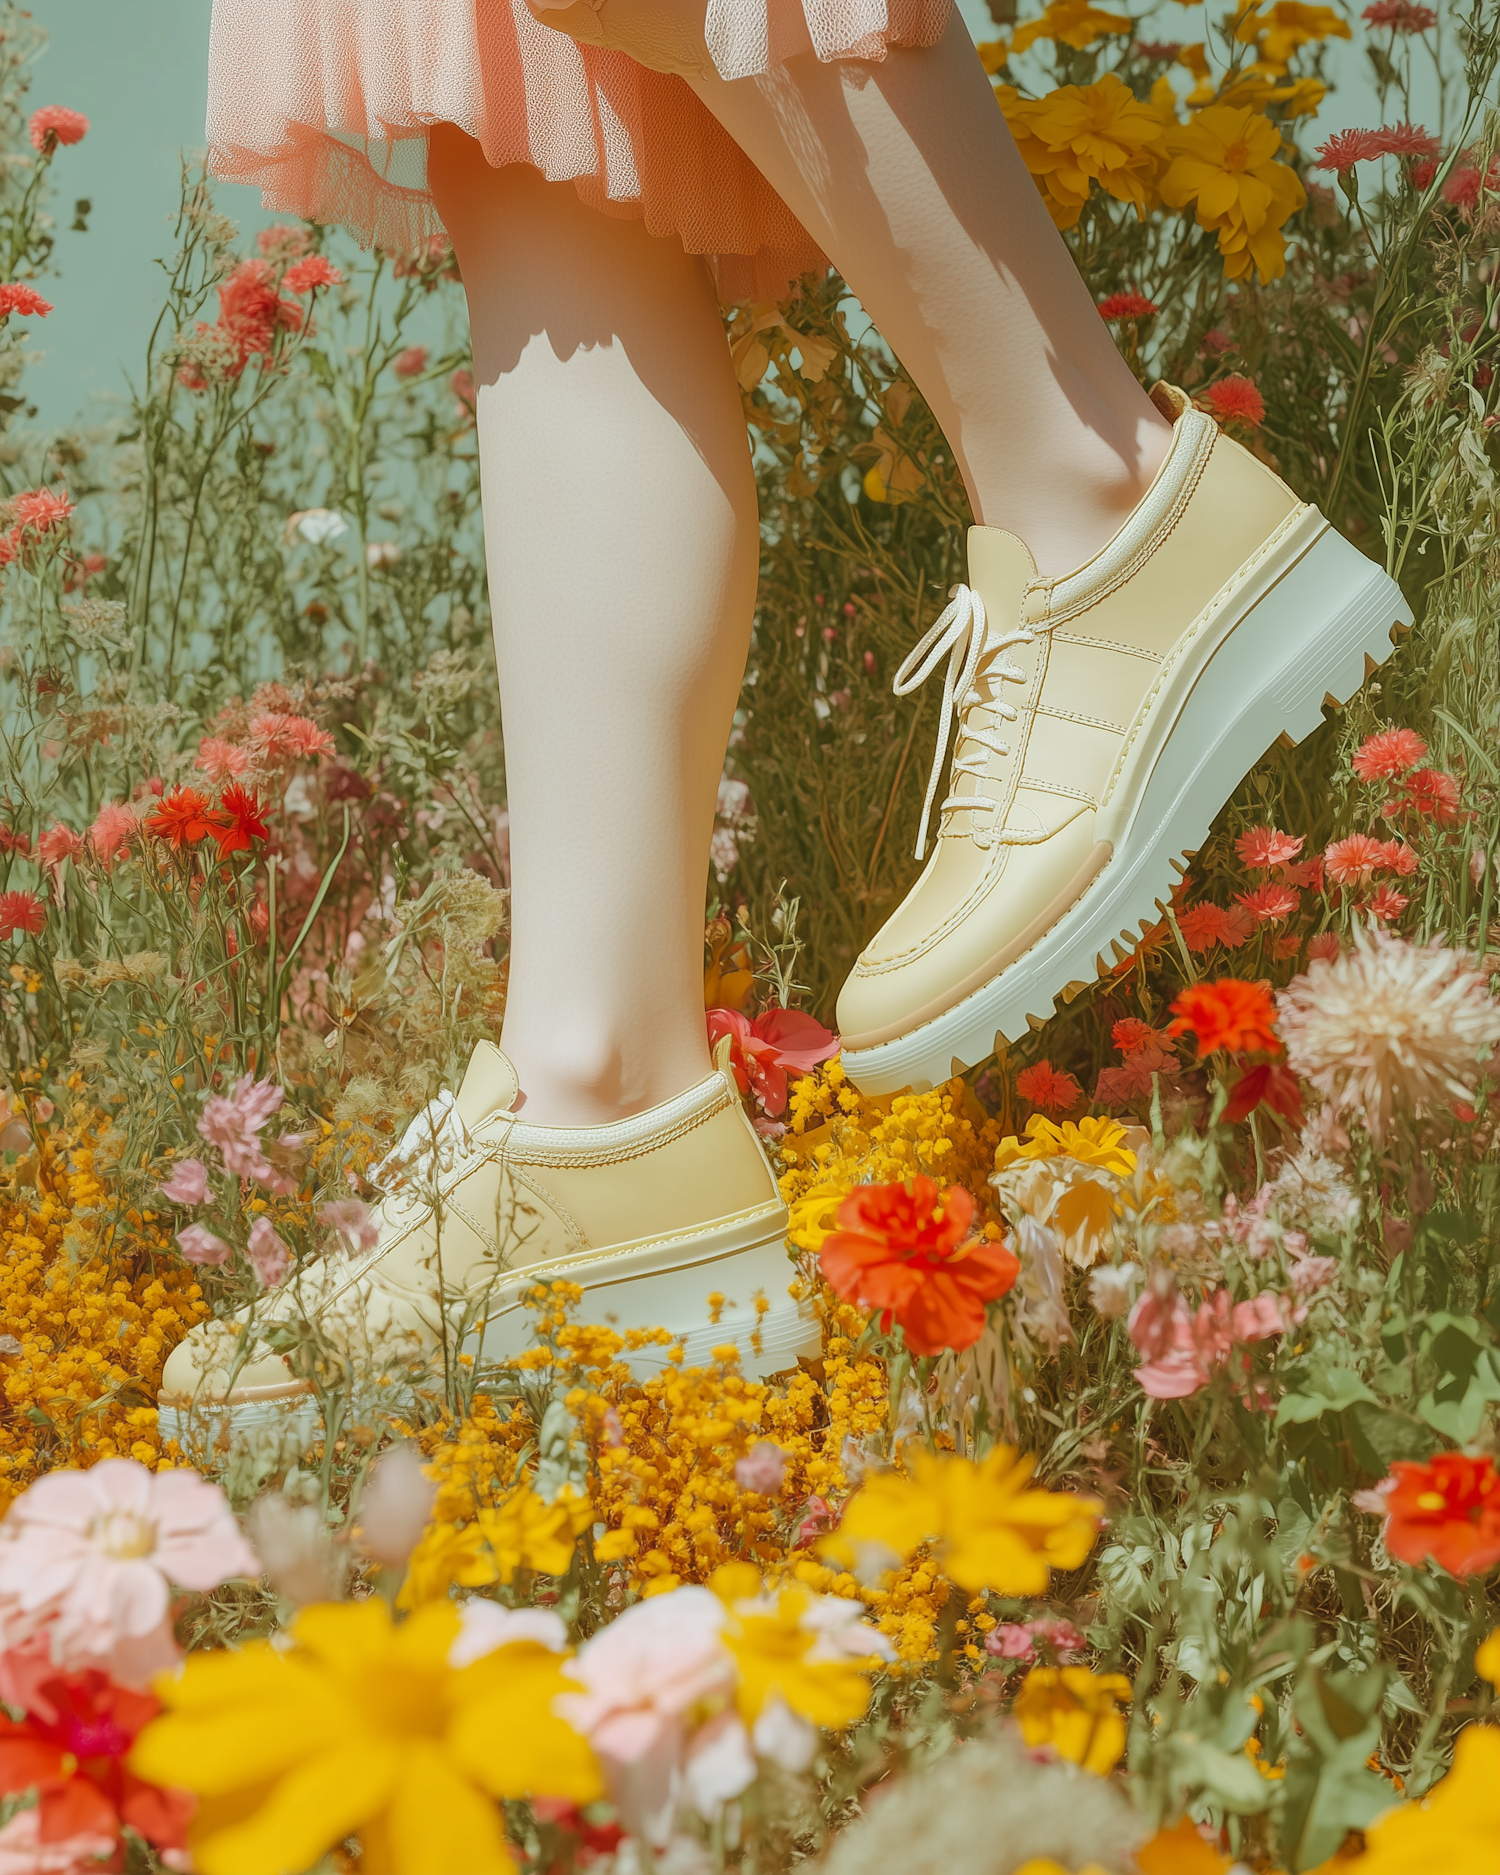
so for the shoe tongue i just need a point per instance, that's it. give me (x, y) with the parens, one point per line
(1000, 568)
(489, 1085)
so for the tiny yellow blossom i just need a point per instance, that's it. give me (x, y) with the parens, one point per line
(1077, 1713)
(989, 1530)
(363, 1728)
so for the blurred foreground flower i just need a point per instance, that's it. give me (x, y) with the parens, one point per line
(364, 1728)
(1452, 1830)
(987, 1528)
(1077, 1713)
(761, 1052)
(904, 1252)
(1445, 1511)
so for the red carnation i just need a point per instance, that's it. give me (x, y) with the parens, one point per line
(25, 300)
(1047, 1089)
(20, 911)
(1235, 397)
(54, 124)
(1231, 1015)
(246, 822)
(1127, 306)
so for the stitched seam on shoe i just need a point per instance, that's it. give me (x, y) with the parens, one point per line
(1077, 716)
(620, 1139)
(1057, 787)
(1220, 602)
(1104, 644)
(577, 1158)
(706, 1229)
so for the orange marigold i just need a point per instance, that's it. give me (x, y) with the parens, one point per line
(1231, 1015)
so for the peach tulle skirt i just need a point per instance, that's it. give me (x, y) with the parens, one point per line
(325, 105)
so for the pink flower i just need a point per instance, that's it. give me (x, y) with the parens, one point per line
(1401, 858)
(353, 1221)
(188, 1183)
(283, 241)
(411, 363)
(1390, 753)
(54, 124)
(462, 386)
(1185, 1350)
(1310, 1273)
(761, 1051)
(1270, 903)
(199, 1245)
(1017, 1640)
(1409, 139)
(1388, 903)
(1325, 944)
(233, 1125)
(113, 829)
(289, 738)
(87, 1558)
(269, 1256)
(22, 1851)
(24, 300)
(1203, 926)
(1402, 16)
(1349, 147)
(762, 1469)
(56, 845)
(1264, 847)
(646, 1677)
(39, 510)
(1118, 1087)
(310, 274)
(1430, 793)
(221, 761)
(1351, 861)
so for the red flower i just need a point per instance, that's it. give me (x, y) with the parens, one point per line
(1388, 903)
(1230, 1014)
(247, 822)
(901, 1251)
(760, 1052)
(1127, 306)
(1447, 1510)
(25, 300)
(411, 363)
(1131, 1034)
(54, 124)
(252, 311)
(1400, 15)
(184, 818)
(38, 510)
(1117, 1087)
(1203, 926)
(281, 738)
(1325, 945)
(1349, 147)
(1235, 396)
(1465, 183)
(310, 274)
(1264, 847)
(71, 1749)
(20, 911)
(1409, 139)
(1270, 903)
(1048, 1090)
(1401, 858)
(1267, 1084)
(1388, 753)
(1430, 793)
(1351, 861)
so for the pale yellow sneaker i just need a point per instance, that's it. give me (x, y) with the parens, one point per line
(651, 1215)
(1104, 718)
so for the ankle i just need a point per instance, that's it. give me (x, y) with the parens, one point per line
(592, 1080)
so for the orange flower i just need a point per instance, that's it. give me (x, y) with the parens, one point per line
(1048, 1088)
(247, 821)
(1447, 1509)
(901, 1251)
(1229, 1014)
(184, 818)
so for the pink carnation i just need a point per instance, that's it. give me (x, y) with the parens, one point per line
(88, 1559)
(1351, 861)
(290, 738)
(221, 761)
(1388, 753)
(25, 300)
(233, 1124)
(1264, 847)
(113, 829)
(311, 273)
(39, 510)
(1184, 1350)
(411, 363)
(54, 124)
(269, 1256)
(57, 844)
(353, 1221)
(199, 1245)
(188, 1183)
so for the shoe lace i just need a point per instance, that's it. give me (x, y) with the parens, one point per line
(431, 1147)
(962, 631)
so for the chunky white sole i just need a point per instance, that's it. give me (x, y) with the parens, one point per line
(1306, 629)
(662, 1285)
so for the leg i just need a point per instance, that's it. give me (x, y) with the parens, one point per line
(907, 176)
(622, 538)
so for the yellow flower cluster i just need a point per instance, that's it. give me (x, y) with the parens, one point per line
(91, 1322)
(1223, 166)
(1081, 135)
(838, 1138)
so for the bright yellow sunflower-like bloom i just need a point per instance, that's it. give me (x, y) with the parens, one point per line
(778, 1651)
(1453, 1830)
(1223, 164)
(1284, 28)
(522, 1531)
(1074, 23)
(1096, 1141)
(363, 1728)
(988, 1530)
(1083, 134)
(1077, 1713)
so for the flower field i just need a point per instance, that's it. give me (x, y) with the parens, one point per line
(1141, 1514)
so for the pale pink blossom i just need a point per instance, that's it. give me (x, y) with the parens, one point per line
(353, 1221)
(1311, 1273)
(113, 829)
(269, 1256)
(1017, 1640)
(1184, 1350)
(485, 1625)
(282, 738)
(22, 1851)
(221, 761)
(199, 1245)
(188, 1183)
(233, 1123)
(57, 844)
(762, 1469)
(88, 1558)
(394, 1508)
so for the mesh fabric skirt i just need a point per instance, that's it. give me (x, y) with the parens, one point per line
(325, 106)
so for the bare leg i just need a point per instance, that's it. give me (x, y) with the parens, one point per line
(622, 539)
(907, 176)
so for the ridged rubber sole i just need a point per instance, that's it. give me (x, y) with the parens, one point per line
(737, 1263)
(1312, 638)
